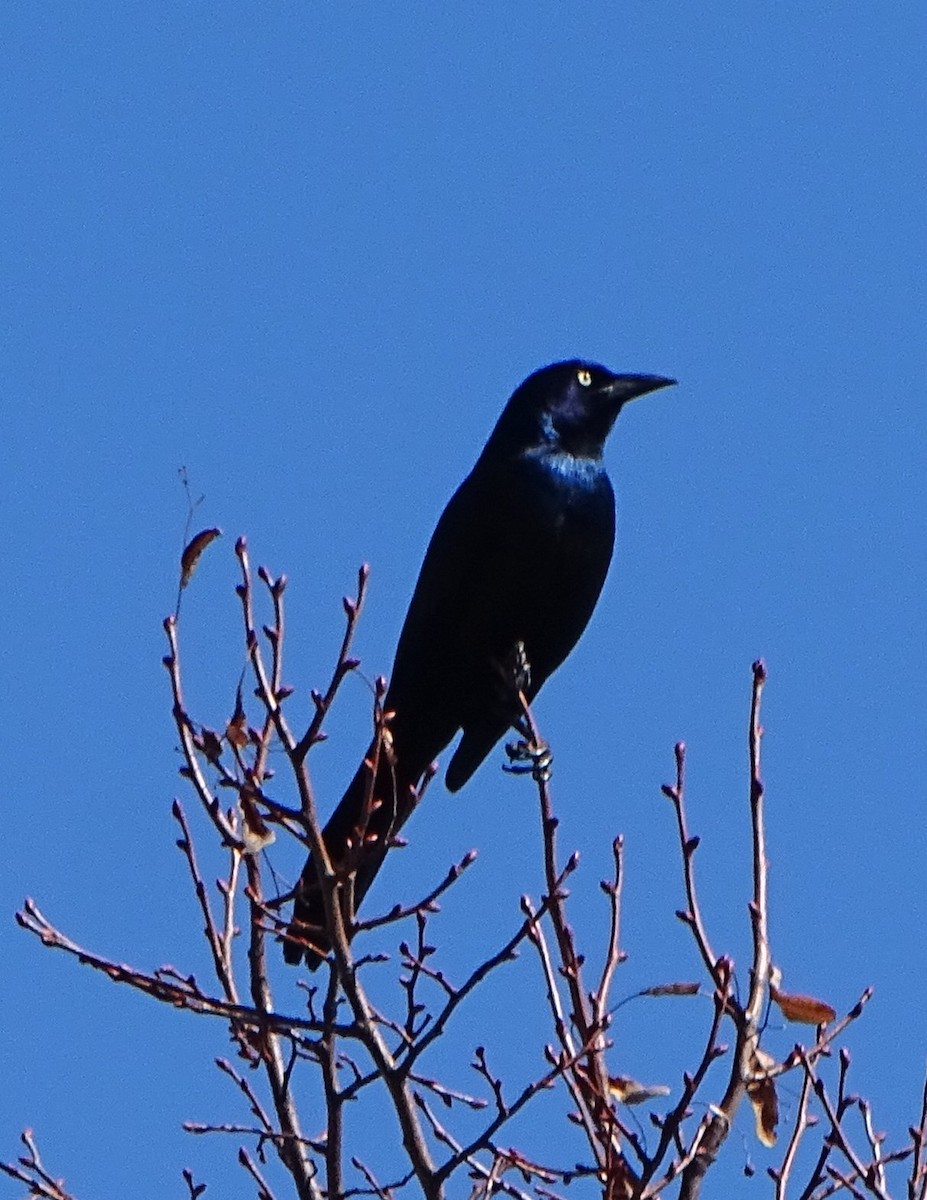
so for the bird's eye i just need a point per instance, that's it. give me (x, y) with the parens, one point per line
(584, 377)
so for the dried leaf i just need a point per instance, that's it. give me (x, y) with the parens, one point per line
(672, 989)
(192, 552)
(236, 731)
(761, 1090)
(256, 833)
(628, 1091)
(803, 1010)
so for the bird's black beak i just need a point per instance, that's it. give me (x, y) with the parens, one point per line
(623, 388)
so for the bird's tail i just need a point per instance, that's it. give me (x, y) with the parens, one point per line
(357, 836)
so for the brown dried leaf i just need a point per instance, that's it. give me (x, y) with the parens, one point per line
(803, 1010)
(761, 1090)
(192, 552)
(256, 833)
(236, 731)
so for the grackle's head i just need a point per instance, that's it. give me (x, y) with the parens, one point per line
(568, 407)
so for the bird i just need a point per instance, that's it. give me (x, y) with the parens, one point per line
(515, 565)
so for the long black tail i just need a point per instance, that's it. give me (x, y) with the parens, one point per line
(377, 802)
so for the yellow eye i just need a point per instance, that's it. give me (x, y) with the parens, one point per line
(584, 377)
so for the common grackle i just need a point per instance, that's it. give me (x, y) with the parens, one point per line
(519, 556)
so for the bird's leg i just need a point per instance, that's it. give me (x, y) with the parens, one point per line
(520, 670)
(513, 677)
(529, 755)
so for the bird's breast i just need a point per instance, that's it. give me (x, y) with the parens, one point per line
(569, 494)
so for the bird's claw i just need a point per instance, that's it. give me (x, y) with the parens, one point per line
(529, 758)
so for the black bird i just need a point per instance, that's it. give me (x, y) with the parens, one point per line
(519, 556)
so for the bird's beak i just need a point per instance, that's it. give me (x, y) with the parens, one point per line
(623, 388)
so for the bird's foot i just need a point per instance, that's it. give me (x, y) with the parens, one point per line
(529, 758)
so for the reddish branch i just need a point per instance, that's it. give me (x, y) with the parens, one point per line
(354, 1046)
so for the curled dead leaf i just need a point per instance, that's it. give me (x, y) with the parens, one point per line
(192, 551)
(681, 988)
(761, 1091)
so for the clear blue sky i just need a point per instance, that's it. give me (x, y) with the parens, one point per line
(307, 251)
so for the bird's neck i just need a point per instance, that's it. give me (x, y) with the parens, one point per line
(577, 468)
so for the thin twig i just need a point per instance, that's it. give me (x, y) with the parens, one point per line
(427, 903)
(219, 945)
(693, 915)
(599, 1121)
(193, 769)
(31, 1171)
(263, 1192)
(344, 665)
(290, 1147)
(671, 1131)
(837, 1132)
(917, 1181)
(613, 951)
(799, 1129)
(747, 1020)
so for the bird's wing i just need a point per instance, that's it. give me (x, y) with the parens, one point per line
(465, 603)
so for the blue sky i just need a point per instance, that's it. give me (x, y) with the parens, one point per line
(307, 252)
